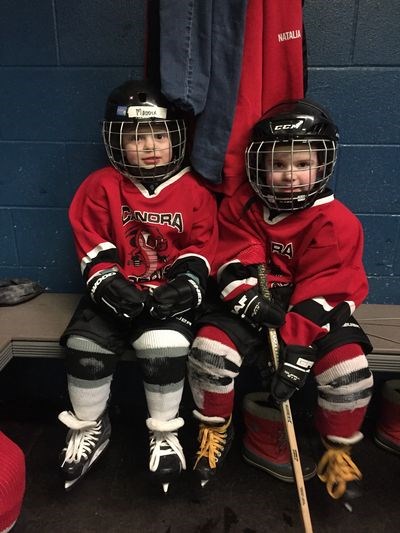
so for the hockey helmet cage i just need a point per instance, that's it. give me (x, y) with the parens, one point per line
(292, 130)
(137, 110)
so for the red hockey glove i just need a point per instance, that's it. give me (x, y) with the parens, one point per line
(175, 297)
(255, 309)
(116, 295)
(294, 366)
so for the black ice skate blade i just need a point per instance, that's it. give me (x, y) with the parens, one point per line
(166, 484)
(199, 494)
(201, 480)
(69, 484)
(201, 488)
(352, 496)
(350, 502)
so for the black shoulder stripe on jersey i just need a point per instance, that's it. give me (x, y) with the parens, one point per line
(249, 203)
(236, 272)
(315, 312)
(104, 256)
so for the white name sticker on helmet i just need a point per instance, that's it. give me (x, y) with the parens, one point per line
(147, 112)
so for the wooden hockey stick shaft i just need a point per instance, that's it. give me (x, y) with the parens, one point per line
(287, 415)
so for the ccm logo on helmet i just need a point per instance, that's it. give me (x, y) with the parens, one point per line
(290, 126)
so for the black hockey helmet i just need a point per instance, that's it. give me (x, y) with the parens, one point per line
(292, 127)
(134, 107)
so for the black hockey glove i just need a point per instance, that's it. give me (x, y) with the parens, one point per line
(294, 366)
(175, 297)
(116, 295)
(255, 309)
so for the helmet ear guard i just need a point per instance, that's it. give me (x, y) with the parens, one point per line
(297, 129)
(131, 109)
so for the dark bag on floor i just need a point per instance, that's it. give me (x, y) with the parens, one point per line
(18, 290)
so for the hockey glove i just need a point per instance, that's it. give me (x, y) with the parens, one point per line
(255, 309)
(116, 295)
(294, 366)
(175, 297)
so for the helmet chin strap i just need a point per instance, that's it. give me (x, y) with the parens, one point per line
(152, 176)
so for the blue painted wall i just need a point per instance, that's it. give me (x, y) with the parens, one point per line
(59, 60)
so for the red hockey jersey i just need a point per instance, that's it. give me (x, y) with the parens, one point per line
(119, 223)
(317, 251)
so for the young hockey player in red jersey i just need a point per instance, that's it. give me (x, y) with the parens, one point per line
(145, 234)
(312, 247)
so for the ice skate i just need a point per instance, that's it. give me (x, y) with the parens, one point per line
(86, 441)
(215, 439)
(338, 471)
(166, 455)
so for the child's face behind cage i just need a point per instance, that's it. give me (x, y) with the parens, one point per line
(291, 169)
(147, 145)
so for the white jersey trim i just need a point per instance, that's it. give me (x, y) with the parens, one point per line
(88, 258)
(282, 216)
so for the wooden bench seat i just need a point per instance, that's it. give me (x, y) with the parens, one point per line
(32, 329)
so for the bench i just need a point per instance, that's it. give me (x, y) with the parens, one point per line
(33, 328)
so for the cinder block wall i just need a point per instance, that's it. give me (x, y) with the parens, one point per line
(354, 57)
(58, 61)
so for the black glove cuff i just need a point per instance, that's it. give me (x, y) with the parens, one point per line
(302, 356)
(101, 280)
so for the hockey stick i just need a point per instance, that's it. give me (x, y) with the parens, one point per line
(287, 414)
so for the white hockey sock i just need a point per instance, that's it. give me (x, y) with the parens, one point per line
(162, 355)
(89, 397)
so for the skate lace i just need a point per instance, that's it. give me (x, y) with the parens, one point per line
(164, 443)
(336, 469)
(212, 442)
(80, 443)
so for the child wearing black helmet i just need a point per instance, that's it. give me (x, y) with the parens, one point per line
(311, 246)
(145, 235)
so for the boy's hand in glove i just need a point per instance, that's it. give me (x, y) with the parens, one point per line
(255, 309)
(175, 297)
(116, 295)
(294, 366)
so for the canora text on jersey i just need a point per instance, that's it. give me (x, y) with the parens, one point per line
(174, 220)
